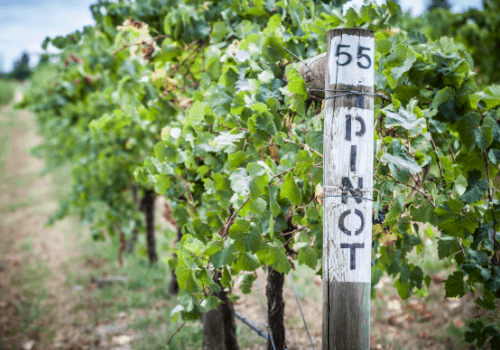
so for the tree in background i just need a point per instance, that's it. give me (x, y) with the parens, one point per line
(22, 68)
(438, 4)
(44, 59)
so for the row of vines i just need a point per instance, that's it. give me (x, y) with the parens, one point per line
(201, 102)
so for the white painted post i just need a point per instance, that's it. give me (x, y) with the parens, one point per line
(348, 166)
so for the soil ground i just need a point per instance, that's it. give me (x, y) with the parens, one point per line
(51, 295)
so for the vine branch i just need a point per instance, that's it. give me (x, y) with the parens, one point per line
(437, 158)
(177, 331)
(490, 199)
(416, 189)
(306, 147)
(223, 231)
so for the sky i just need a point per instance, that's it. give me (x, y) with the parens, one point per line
(24, 24)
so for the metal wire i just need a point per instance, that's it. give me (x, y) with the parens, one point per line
(252, 327)
(265, 316)
(249, 324)
(300, 308)
(351, 189)
(355, 197)
(345, 93)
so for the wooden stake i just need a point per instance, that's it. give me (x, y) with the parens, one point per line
(348, 166)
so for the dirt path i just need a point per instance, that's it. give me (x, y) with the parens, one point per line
(32, 256)
(38, 305)
(50, 295)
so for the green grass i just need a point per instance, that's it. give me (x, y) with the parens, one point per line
(144, 295)
(35, 308)
(7, 91)
(190, 337)
(27, 245)
(4, 142)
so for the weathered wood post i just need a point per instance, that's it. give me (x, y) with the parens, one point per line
(347, 180)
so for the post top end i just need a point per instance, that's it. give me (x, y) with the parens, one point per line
(352, 31)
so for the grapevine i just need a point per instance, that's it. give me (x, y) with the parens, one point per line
(203, 103)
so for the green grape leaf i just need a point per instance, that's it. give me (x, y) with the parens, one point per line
(252, 180)
(247, 262)
(226, 280)
(273, 204)
(493, 283)
(307, 256)
(494, 155)
(400, 163)
(403, 288)
(442, 96)
(187, 300)
(401, 60)
(474, 332)
(245, 238)
(210, 303)
(265, 122)
(267, 76)
(212, 248)
(405, 120)
(224, 256)
(197, 113)
(259, 107)
(424, 212)
(257, 206)
(194, 246)
(237, 159)
(472, 133)
(455, 285)
(185, 277)
(447, 246)
(274, 254)
(383, 46)
(221, 183)
(490, 96)
(290, 190)
(475, 187)
(453, 221)
(314, 139)
(296, 84)
(460, 185)
(396, 208)
(160, 150)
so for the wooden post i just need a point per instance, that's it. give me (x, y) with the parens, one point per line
(313, 71)
(348, 166)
